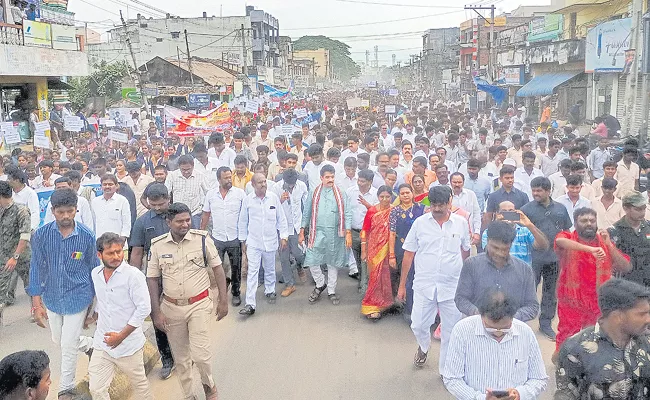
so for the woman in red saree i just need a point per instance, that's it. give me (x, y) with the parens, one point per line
(375, 236)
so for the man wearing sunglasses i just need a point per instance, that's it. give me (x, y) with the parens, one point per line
(480, 342)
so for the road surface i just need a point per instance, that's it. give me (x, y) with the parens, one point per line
(290, 350)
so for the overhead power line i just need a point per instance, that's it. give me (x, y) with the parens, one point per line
(373, 23)
(396, 4)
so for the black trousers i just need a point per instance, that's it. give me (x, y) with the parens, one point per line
(163, 347)
(549, 273)
(233, 249)
(163, 343)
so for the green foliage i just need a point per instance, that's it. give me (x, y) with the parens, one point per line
(104, 81)
(343, 66)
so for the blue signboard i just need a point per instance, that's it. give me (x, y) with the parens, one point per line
(198, 100)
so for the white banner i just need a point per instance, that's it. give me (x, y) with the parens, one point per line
(41, 141)
(118, 136)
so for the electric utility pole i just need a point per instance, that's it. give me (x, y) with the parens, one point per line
(189, 58)
(492, 56)
(136, 75)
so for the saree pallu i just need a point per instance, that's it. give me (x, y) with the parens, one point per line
(379, 295)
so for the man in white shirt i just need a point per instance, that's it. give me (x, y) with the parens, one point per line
(361, 197)
(549, 162)
(466, 199)
(188, 186)
(122, 305)
(205, 165)
(23, 194)
(399, 127)
(292, 193)
(452, 150)
(597, 158)
(558, 179)
(444, 237)
(573, 200)
(225, 156)
(313, 167)
(386, 140)
(112, 212)
(46, 178)
(261, 222)
(353, 150)
(138, 182)
(84, 213)
(348, 178)
(494, 337)
(526, 173)
(223, 205)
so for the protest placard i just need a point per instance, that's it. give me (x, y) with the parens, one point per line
(42, 126)
(300, 112)
(41, 141)
(73, 124)
(118, 136)
(287, 130)
(11, 135)
(91, 120)
(390, 109)
(252, 106)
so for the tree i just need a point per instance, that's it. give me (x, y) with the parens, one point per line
(343, 67)
(104, 81)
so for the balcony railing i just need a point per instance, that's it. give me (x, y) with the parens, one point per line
(11, 34)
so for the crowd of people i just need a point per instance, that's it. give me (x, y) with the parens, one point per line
(449, 217)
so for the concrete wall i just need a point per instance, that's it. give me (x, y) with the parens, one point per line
(208, 38)
(37, 61)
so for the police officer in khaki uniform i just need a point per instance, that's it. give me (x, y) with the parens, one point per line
(180, 258)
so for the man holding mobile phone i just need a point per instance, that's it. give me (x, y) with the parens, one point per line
(528, 236)
(494, 337)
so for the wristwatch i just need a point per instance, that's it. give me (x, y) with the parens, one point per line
(16, 256)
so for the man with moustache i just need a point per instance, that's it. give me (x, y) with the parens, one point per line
(587, 259)
(444, 237)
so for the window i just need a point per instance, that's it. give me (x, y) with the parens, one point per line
(159, 40)
(144, 25)
(175, 35)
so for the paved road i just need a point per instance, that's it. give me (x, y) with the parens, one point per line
(291, 350)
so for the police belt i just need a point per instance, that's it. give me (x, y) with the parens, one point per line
(187, 302)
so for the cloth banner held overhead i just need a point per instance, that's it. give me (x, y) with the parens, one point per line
(497, 93)
(275, 93)
(188, 124)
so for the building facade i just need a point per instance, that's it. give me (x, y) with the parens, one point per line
(34, 56)
(441, 51)
(219, 38)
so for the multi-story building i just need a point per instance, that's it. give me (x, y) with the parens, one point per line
(266, 37)
(475, 42)
(219, 38)
(441, 50)
(580, 51)
(322, 66)
(34, 58)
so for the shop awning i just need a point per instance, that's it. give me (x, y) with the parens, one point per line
(545, 84)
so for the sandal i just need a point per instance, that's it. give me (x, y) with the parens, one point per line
(315, 294)
(334, 299)
(374, 316)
